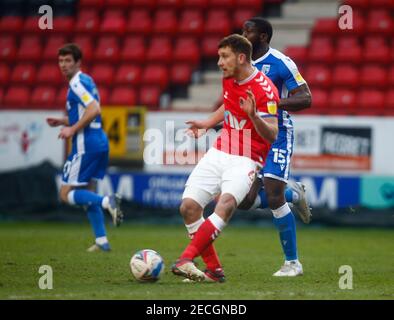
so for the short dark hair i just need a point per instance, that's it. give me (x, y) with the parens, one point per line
(73, 49)
(238, 44)
(264, 26)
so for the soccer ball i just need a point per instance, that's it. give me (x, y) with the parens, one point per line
(147, 265)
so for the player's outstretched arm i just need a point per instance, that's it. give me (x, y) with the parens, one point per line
(267, 128)
(91, 112)
(198, 127)
(55, 122)
(300, 98)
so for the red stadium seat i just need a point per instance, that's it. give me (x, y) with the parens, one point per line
(222, 4)
(91, 3)
(23, 73)
(362, 4)
(150, 96)
(155, 75)
(255, 5)
(118, 4)
(217, 23)
(321, 50)
(88, 21)
(165, 22)
(50, 74)
(373, 76)
(63, 25)
(297, 53)
(318, 76)
(52, 46)
(319, 102)
(390, 99)
(43, 97)
(359, 25)
(5, 74)
(345, 76)
(1, 97)
(8, 48)
(128, 74)
(242, 15)
(191, 23)
(379, 22)
(86, 45)
(123, 96)
(11, 25)
(210, 46)
(102, 73)
(371, 100)
(325, 26)
(186, 50)
(139, 22)
(133, 50)
(61, 97)
(384, 4)
(390, 76)
(30, 25)
(160, 50)
(376, 50)
(195, 4)
(181, 73)
(30, 49)
(173, 4)
(103, 94)
(342, 99)
(113, 23)
(348, 50)
(17, 96)
(145, 4)
(107, 49)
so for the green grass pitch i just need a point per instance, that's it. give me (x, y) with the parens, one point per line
(250, 254)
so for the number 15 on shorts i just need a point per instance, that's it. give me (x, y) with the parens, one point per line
(279, 155)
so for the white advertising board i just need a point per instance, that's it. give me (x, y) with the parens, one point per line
(26, 139)
(344, 145)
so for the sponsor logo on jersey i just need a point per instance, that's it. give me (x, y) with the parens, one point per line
(232, 121)
(85, 97)
(299, 77)
(266, 68)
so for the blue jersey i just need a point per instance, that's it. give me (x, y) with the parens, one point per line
(284, 74)
(81, 92)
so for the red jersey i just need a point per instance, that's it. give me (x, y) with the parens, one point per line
(239, 136)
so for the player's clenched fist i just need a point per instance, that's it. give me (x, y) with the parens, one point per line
(55, 122)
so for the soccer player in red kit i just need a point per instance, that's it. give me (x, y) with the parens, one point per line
(250, 125)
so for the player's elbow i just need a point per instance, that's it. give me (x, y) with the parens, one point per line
(308, 100)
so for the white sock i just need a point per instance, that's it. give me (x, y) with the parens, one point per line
(70, 197)
(105, 202)
(217, 221)
(193, 227)
(101, 240)
(296, 197)
(281, 211)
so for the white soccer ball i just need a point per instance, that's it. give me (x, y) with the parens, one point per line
(147, 265)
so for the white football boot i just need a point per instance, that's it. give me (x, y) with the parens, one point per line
(301, 207)
(290, 269)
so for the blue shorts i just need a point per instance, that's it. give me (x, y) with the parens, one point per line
(277, 165)
(81, 168)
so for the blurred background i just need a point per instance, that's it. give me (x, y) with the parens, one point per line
(154, 62)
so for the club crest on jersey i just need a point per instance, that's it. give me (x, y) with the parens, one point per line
(272, 107)
(233, 121)
(266, 68)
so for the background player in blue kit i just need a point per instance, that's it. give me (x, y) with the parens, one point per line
(295, 95)
(88, 159)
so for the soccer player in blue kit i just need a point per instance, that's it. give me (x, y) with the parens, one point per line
(270, 187)
(88, 159)
(295, 95)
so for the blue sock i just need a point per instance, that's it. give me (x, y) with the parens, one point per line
(96, 218)
(85, 197)
(263, 197)
(287, 234)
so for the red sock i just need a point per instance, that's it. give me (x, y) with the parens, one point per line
(210, 257)
(201, 240)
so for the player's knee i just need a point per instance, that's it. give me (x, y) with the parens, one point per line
(64, 195)
(188, 209)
